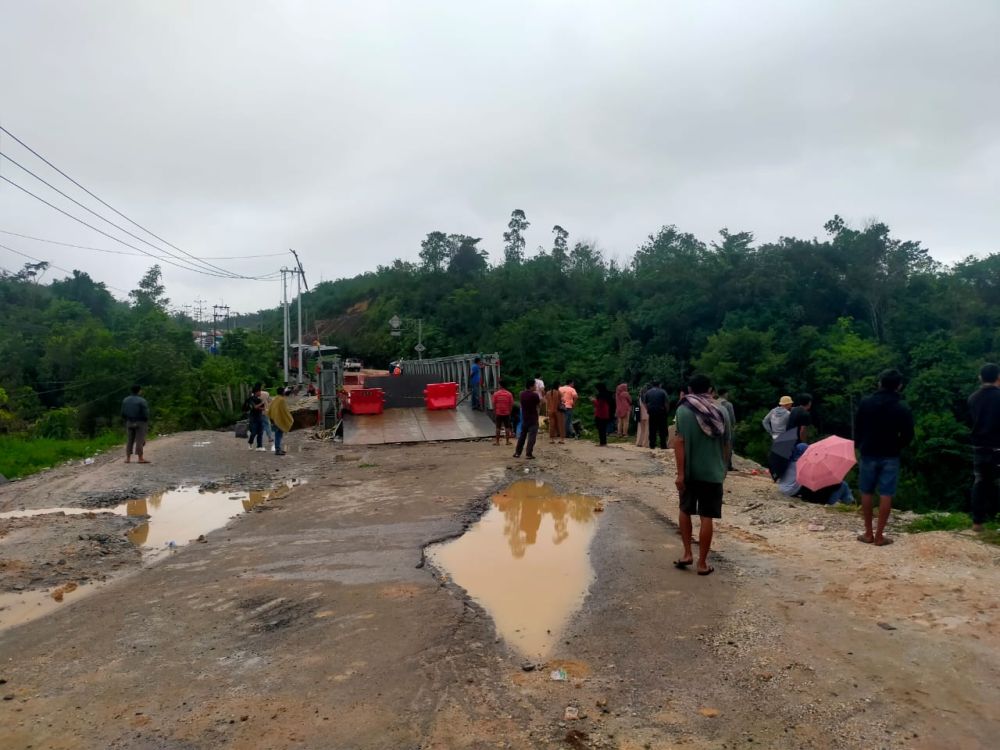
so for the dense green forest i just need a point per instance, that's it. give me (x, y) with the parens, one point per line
(822, 315)
(69, 352)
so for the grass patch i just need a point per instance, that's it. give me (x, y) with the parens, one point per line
(945, 521)
(367, 466)
(21, 455)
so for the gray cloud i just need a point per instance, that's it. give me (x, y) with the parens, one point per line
(349, 130)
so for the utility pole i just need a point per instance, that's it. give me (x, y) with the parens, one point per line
(217, 314)
(284, 305)
(301, 281)
(199, 312)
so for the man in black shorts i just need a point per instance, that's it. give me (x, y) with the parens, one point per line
(701, 448)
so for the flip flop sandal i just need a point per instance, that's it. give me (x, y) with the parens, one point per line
(885, 541)
(683, 564)
(863, 540)
(707, 572)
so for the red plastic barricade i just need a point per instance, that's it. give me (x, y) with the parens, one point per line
(441, 396)
(366, 401)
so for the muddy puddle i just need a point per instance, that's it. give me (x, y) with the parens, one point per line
(173, 519)
(176, 517)
(526, 562)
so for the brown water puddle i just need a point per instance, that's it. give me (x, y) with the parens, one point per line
(526, 562)
(176, 517)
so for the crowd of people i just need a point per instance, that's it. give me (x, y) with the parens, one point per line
(704, 423)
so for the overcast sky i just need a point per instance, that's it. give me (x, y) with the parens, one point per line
(348, 130)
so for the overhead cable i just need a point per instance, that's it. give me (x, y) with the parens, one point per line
(112, 208)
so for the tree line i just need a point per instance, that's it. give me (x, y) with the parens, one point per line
(69, 352)
(821, 315)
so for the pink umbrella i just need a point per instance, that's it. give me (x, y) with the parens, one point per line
(824, 463)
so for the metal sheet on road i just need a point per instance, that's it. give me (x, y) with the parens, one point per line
(416, 426)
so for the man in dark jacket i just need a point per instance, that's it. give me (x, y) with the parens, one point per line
(657, 404)
(984, 406)
(884, 426)
(135, 412)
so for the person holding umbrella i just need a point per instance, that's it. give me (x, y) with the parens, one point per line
(821, 471)
(883, 427)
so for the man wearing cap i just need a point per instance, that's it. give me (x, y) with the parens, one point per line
(776, 421)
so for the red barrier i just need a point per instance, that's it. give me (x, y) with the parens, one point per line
(441, 396)
(366, 401)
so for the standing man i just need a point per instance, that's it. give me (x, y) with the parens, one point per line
(700, 447)
(800, 417)
(529, 420)
(727, 405)
(776, 421)
(569, 396)
(883, 427)
(503, 405)
(255, 406)
(984, 406)
(657, 404)
(135, 412)
(475, 383)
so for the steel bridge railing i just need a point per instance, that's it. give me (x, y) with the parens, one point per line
(457, 369)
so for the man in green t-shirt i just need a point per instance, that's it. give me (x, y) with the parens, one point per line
(701, 448)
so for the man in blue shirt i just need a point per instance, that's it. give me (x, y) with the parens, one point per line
(475, 383)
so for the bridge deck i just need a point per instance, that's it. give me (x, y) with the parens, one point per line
(416, 426)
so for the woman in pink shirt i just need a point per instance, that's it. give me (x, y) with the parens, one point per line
(623, 408)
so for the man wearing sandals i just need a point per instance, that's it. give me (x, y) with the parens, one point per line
(701, 448)
(883, 427)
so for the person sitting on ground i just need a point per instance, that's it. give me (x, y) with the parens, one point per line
(603, 408)
(503, 404)
(776, 421)
(789, 486)
(281, 420)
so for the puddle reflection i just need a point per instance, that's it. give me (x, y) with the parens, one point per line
(526, 562)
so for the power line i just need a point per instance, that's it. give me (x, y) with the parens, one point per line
(266, 277)
(108, 205)
(188, 267)
(101, 231)
(125, 252)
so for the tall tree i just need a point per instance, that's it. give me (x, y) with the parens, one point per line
(467, 259)
(560, 246)
(513, 252)
(150, 293)
(435, 251)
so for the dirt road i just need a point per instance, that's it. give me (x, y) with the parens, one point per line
(315, 624)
